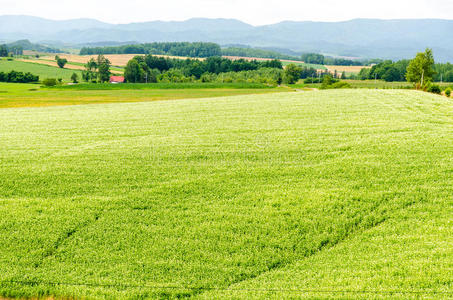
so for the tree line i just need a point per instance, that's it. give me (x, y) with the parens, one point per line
(18, 77)
(319, 59)
(198, 49)
(96, 70)
(258, 53)
(398, 71)
(148, 68)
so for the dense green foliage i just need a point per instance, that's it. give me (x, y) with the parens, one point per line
(3, 51)
(97, 70)
(258, 53)
(153, 69)
(273, 196)
(313, 58)
(316, 58)
(292, 73)
(18, 77)
(421, 69)
(397, 71)
(75, 78)
(175, 49)
(444, 72)
(388, 70)
(49, 82)
(61, 62)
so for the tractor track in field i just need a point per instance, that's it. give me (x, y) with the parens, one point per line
(355, 228)
(65, 237)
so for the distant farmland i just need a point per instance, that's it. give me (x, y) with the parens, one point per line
(120, 60)
(42, 70)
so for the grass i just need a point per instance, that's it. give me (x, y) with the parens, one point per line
(258, 196)
(43, 71)
(370, 84)
(33, 95)
(164, 86)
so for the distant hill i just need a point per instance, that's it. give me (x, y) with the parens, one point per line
(366, 38)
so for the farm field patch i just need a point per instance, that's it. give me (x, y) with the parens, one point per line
(245, 196)
(32, 95)
(120, 60)
(69, 65)
(347, 69)
(42, 70)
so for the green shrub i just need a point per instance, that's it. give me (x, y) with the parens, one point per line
(340, 85)
(435, 89)
(49, 82)
(448, 92)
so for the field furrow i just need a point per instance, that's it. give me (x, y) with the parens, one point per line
(232, 197)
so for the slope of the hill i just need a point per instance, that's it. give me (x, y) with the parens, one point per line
(372, 38)
(346, 190)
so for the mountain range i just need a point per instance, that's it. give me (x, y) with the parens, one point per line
(364, 38)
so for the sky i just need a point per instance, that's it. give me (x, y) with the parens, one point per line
(255, 12)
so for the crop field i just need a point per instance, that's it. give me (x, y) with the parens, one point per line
(44, 71)
(327, 194)
(347, 69)
(69, 65)
(120, 60)
(33, 95)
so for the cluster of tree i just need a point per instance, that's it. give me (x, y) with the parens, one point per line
(403, 70)
(388, 70)
(18, 77)
(146, 68)
(319, 59)
(61, 62)
(96, 70)
(313, 58)
(4, 51)
(198, 49)
(444, 72)
(269, 76)
(253, 52)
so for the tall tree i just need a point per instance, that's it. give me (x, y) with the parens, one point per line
(61, 62)
(292, 73)
(3, 51)
(103, 69)
(133, 72)
(421, 69)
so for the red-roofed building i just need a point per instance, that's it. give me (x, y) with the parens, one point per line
(116, 79)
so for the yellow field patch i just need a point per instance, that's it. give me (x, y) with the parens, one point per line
(347, 69)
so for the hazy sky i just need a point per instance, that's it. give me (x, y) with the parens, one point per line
(256, 12)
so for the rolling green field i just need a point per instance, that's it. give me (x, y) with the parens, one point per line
(42, 71)
(326, 194)
(33, 95)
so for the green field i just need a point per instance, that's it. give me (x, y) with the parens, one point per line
(42, 71)
(73, 63)
(33, 95)
(327, 194)
(372, 84)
